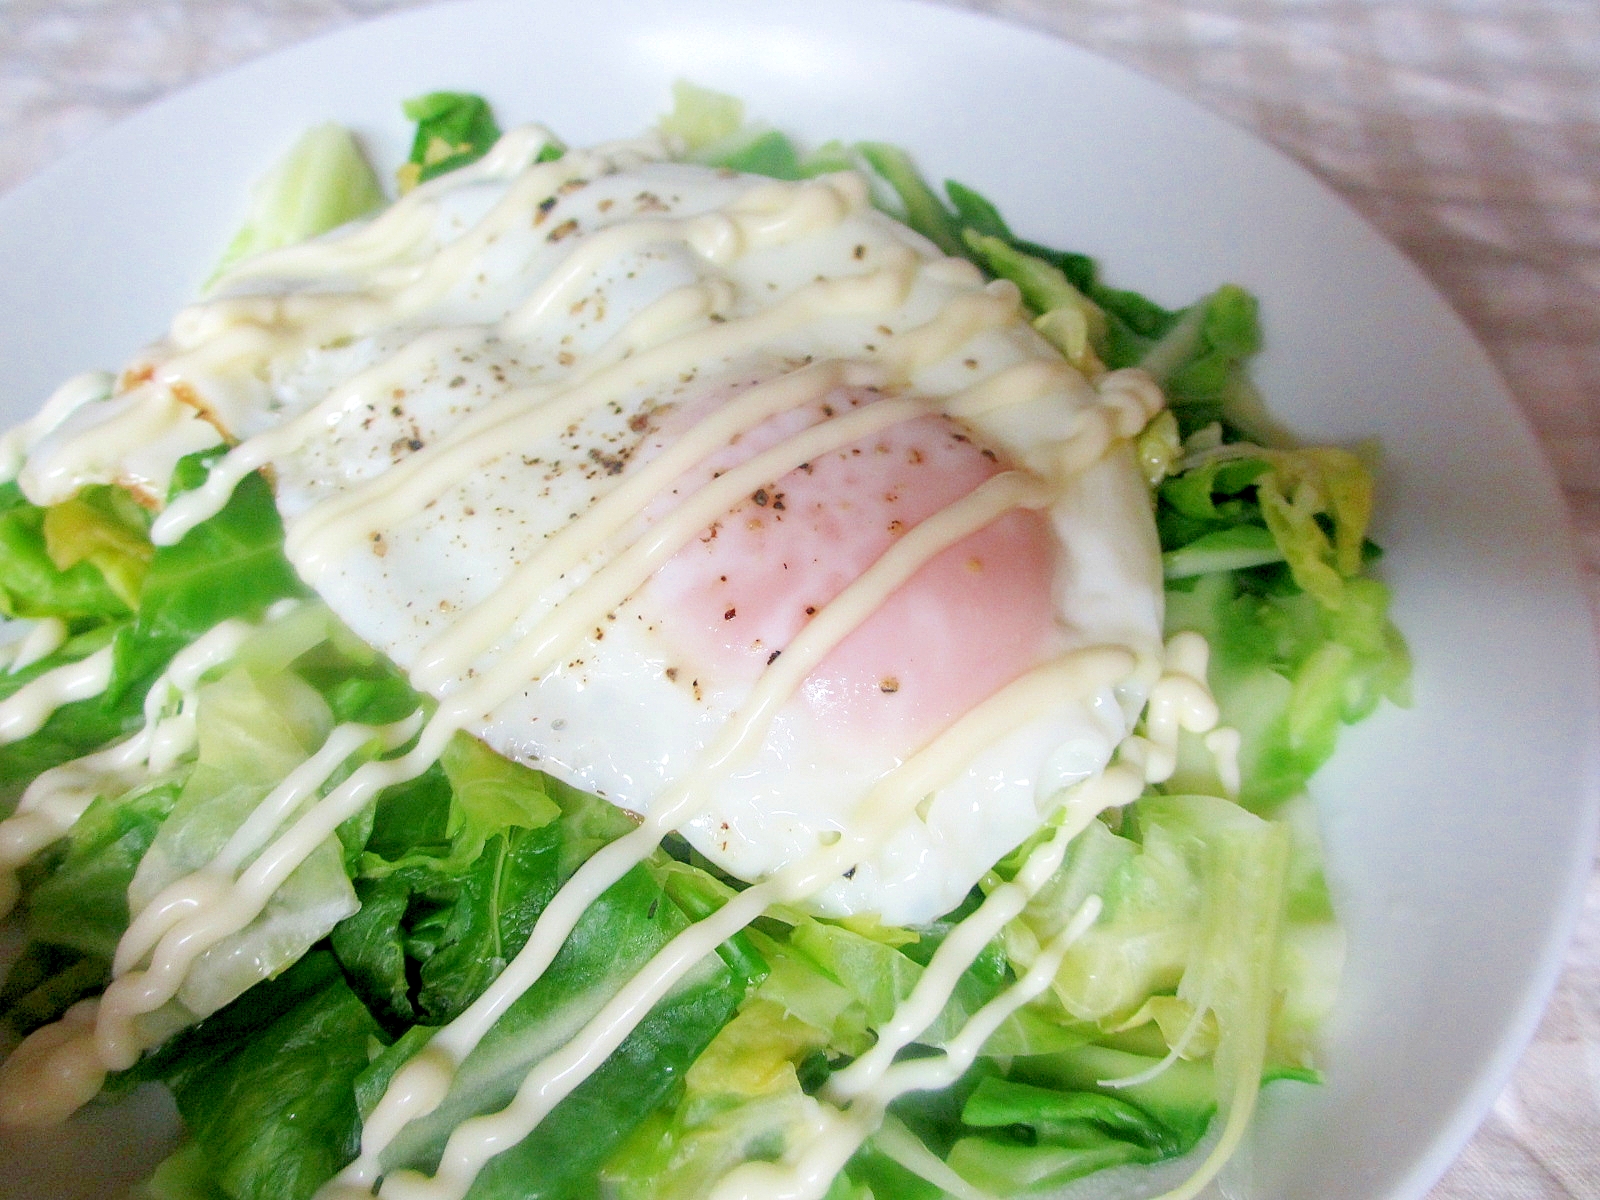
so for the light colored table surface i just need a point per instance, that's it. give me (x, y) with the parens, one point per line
(1467, 131)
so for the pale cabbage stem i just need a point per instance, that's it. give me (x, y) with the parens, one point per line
(906, 1148)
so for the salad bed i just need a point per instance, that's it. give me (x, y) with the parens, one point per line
(1212, 961)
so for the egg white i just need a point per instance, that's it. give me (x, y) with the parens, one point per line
(393, 338)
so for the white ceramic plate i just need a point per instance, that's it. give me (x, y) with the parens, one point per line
(1458, 832)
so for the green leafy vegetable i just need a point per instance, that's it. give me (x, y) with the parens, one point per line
(1037, 1138)
(76, 727)
(1266, 550)
(701, 118)
(613, 939)
(1212, 961)
(84, 901)
(231, 565)
(453, 129)
(275, 1118)
(1072, 323)
(323, 182)
(35, 582)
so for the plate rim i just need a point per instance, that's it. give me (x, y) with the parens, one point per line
(1451, 1135)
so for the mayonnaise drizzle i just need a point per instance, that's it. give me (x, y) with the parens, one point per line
(318, 540)
(25, 711)
(195, 892)
(17, 443)
(808, 1169)
(47, 635)
(54, 1072)
(136, 441)
(451, 652)
(408, 1095)
(1179, 701)
(476, 1140)
(55, 800)
(196, 912)
(538, 614)
(60, 1066)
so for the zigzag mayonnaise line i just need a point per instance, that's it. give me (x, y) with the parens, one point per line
(599, 371)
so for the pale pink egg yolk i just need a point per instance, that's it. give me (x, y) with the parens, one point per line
(971, 619)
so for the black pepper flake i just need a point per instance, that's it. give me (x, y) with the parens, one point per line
(545, 206)
(612, 464)
(850, 874)
(773, 657)
(889, 686)
(761, 497)
(730, 614)
(564, 230)
(811, 610)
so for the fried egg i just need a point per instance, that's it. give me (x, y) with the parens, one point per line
(729, 500)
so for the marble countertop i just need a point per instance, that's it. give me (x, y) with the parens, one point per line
(1467, 131)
